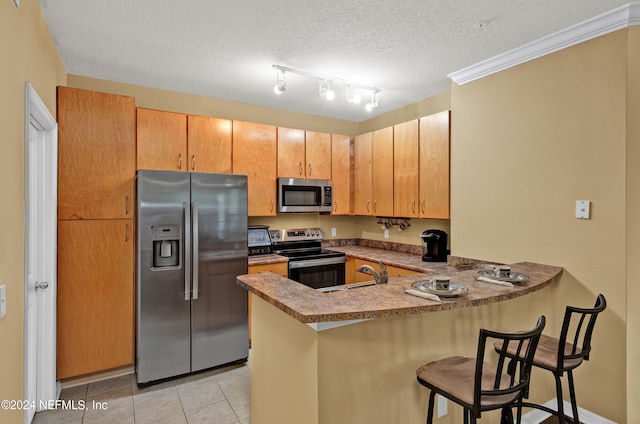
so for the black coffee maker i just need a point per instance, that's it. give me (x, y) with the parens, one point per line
(434, 246)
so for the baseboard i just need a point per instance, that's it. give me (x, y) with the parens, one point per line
(537, 416)
(99, 376)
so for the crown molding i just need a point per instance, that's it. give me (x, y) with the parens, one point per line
(622, 17)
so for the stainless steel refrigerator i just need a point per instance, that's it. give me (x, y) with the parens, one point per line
(191, 245)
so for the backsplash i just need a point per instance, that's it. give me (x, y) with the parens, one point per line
(376, 244)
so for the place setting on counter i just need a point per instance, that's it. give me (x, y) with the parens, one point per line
(440, 286)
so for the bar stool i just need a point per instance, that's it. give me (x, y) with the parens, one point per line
(478, 386)
(575, 337)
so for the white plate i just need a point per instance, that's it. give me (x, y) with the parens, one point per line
(513, 277)
(455, 289)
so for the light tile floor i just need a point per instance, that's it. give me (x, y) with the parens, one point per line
(220, 396)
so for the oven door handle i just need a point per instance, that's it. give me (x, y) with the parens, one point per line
(316, 262)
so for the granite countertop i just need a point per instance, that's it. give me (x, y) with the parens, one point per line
(267, 259)
(377, 301)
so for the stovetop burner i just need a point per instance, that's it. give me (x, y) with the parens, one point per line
(301, 244)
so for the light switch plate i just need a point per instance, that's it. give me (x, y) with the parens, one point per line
(3, 300)
(583, 209)
(333, 232)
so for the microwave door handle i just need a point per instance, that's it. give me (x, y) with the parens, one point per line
(195, 254)
(187, 251)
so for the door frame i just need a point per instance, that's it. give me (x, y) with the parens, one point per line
(37, 114)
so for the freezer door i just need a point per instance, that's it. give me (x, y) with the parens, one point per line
(219, 304)
(163, 314)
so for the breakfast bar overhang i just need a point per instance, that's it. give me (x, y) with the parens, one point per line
(349, 357)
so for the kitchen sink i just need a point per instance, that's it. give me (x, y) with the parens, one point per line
(345, 287)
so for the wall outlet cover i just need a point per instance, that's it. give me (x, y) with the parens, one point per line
(3, 300)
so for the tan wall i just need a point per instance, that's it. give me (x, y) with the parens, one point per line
(527, 143)
(633, 224)
(28, 54)
(197, 105)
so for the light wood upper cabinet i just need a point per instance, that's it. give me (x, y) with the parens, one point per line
(382, 172)
(405, 166)
(341, 174)
(162, 140)
(209, 144)
(363, 177)
(318, 155)
(95, 316)
(434, 165)
(254, 155)
(304, 154)
(96, 154)
(291, 153)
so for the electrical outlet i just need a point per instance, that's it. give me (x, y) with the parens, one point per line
(3, 300)
(333, 232)
(442, 406)
(386, 233)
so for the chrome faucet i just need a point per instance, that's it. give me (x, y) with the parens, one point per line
(381, 278)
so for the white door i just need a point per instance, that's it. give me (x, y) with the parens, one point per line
(41, 158)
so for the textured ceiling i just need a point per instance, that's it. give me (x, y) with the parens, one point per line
(225, 48)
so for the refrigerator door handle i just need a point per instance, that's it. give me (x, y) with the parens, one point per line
(195, 254)
(187, 251)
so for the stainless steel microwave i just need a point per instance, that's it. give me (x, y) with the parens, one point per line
(304, 195)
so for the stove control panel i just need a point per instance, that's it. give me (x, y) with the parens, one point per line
(295, 235)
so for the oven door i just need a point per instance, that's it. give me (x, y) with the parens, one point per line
(318, 273)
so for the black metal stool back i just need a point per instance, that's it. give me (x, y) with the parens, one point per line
(480, 386)
(564, 354)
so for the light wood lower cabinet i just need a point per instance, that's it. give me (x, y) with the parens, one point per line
(95, 328)
(393, 271)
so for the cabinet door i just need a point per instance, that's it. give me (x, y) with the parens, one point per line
(291, 153)
(162, 140)
(254, 155)
(318, 155)
(209, 144)
(395, 271)
(434, 166)
(405, 170)
(95, 296)
(382, 171)
(362, 187)
(96, 154)
(341, 174)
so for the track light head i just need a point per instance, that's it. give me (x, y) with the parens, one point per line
(353, 98)
(281, 83)
(325, 90)
(373, 104)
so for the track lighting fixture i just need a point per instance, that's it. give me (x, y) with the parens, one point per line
(324, 88)
(281, 83)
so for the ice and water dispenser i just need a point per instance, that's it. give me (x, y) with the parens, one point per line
(166, 246)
